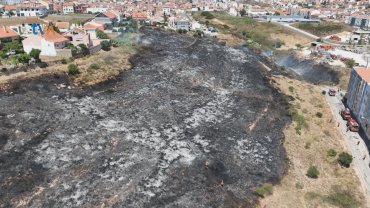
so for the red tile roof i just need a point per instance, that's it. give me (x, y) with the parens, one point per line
(8, 7)
(54, 37)
(109, 14)
(7, 33)
(62, 24)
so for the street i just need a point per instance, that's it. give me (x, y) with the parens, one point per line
(357, 150)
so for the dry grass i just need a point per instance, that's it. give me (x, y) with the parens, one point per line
(323, 28)
(322, 135)
(111, 63)
(71, 18)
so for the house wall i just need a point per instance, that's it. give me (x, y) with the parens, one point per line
(63, 29)
(358, 100)
(37, 42)
(92, 33)
(68, 9)
(182, 25)
(94, 10)
(28, 12)
(106, 20)
(80, 38)
(9, 39)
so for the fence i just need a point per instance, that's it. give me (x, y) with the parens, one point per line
(94, 49)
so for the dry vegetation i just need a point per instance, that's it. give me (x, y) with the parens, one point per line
(71, 18)
(235, 30)
(334, 185)
(323, 28)
(109, 64)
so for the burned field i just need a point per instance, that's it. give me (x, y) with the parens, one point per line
(145, 142)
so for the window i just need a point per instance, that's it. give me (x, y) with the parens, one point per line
(79, 39)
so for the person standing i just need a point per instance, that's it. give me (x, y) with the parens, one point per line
(358, 142)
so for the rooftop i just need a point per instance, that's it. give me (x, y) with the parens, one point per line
(7, 33)
(364, 73)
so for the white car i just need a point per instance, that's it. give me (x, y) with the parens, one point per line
(10, 53)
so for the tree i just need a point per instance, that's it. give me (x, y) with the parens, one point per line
(73, 69)
(345, 159)
(298, 45)
(277, 13)
(243, 12)
(165, 17)
(35, 53)
(82, 46)
(11, 13)
(269, 188)
(56, 29)
(207, 23)
(312, 172)
(24, 58)
(260, 191)
(350, 63)
(179, 31)
(102, 35)
(184, 31)
(105, 45)
(14, 60)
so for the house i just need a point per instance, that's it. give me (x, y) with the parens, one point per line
(92, 30)
(49, 6)
(68, 8)
(26, 25)
(182, 22)
(96, 8)
(195, 25)
(48, 44)
(358, 97)
(139, 16)
(77, 36)
(27, 10)
(8, 8)
(118, 14)
(62, 26)
(58, 8)
(8, 35)
(106, 17)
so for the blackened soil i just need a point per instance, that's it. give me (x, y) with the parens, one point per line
(145, 143)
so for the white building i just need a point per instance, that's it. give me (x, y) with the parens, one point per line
(98, 8)
(26, 25)
(32, 10)
(11, 2)
(48, 44)
(68, 8)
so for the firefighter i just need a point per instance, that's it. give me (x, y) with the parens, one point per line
(222, 183)
(347, 129)
(364, 157)
(358, 142)
(206, 164)
(338, 124)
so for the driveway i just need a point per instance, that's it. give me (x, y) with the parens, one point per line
(357, 151)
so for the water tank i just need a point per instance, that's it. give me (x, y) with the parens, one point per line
(324, 92)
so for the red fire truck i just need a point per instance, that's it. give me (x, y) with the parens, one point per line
(352, 124)
(332, 92)
(345, 113)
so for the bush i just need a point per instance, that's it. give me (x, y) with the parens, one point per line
(94, 66)
(269, 188)
(282, 68)
(291, 89)
(71, 59)
(24, 58)
(72, 78)
(73, 69)
(208, 15)
(308, 144)
(82, 46)
(332, 153)
(350, 63)
(319, 115)
(299, 185)
(312, 172)
(260, 191)
(179, 31)
(35, 53)
(63, 61)
(305, 110)
(345, 159)
(105, 45)
(102, 35)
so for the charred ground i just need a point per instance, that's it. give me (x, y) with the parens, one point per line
(144, 143)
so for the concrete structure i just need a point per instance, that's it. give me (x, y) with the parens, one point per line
(8, 35)
(48, 44)
(68, 8)
(358, 97)
(77, 36)
(9, 8)
(288, 19)
(62, 26)
(97, 8)
(49, 6)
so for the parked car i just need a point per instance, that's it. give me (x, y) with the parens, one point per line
(344, 59)
(11, 52)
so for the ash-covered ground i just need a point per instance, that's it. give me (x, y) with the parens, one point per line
(185, 102)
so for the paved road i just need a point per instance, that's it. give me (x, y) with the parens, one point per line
(357, 151)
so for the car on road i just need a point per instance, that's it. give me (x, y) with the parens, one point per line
(332, 92)
(344, 59)
(352, 125)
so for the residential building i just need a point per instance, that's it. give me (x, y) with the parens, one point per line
(139, 16)
(77, 36)
(8, 35)
(97, 8)
(11, 2)
(106, 17)
(62, 26)
(58, 9)
(68, 8)
(92, 30)
(28, 10)
(48, 44)
(8, 8)
(26, 25)
(358, 97)
(81, 8)
(182, 22)
(118, 14)
(49, 6)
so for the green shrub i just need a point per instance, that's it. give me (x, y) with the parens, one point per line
(332, 153)
(282, 68)
(319, 115)
(72, 78)
(308, 144)
(35, 53)
(299, 185)
(345, 159)
(291, 88)
(94, 66)
(73, 69)
(71, 59)
(269, 188)
(260, 191)
(105, 45)
(312, 172)
(63, 61)
(305, 110)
